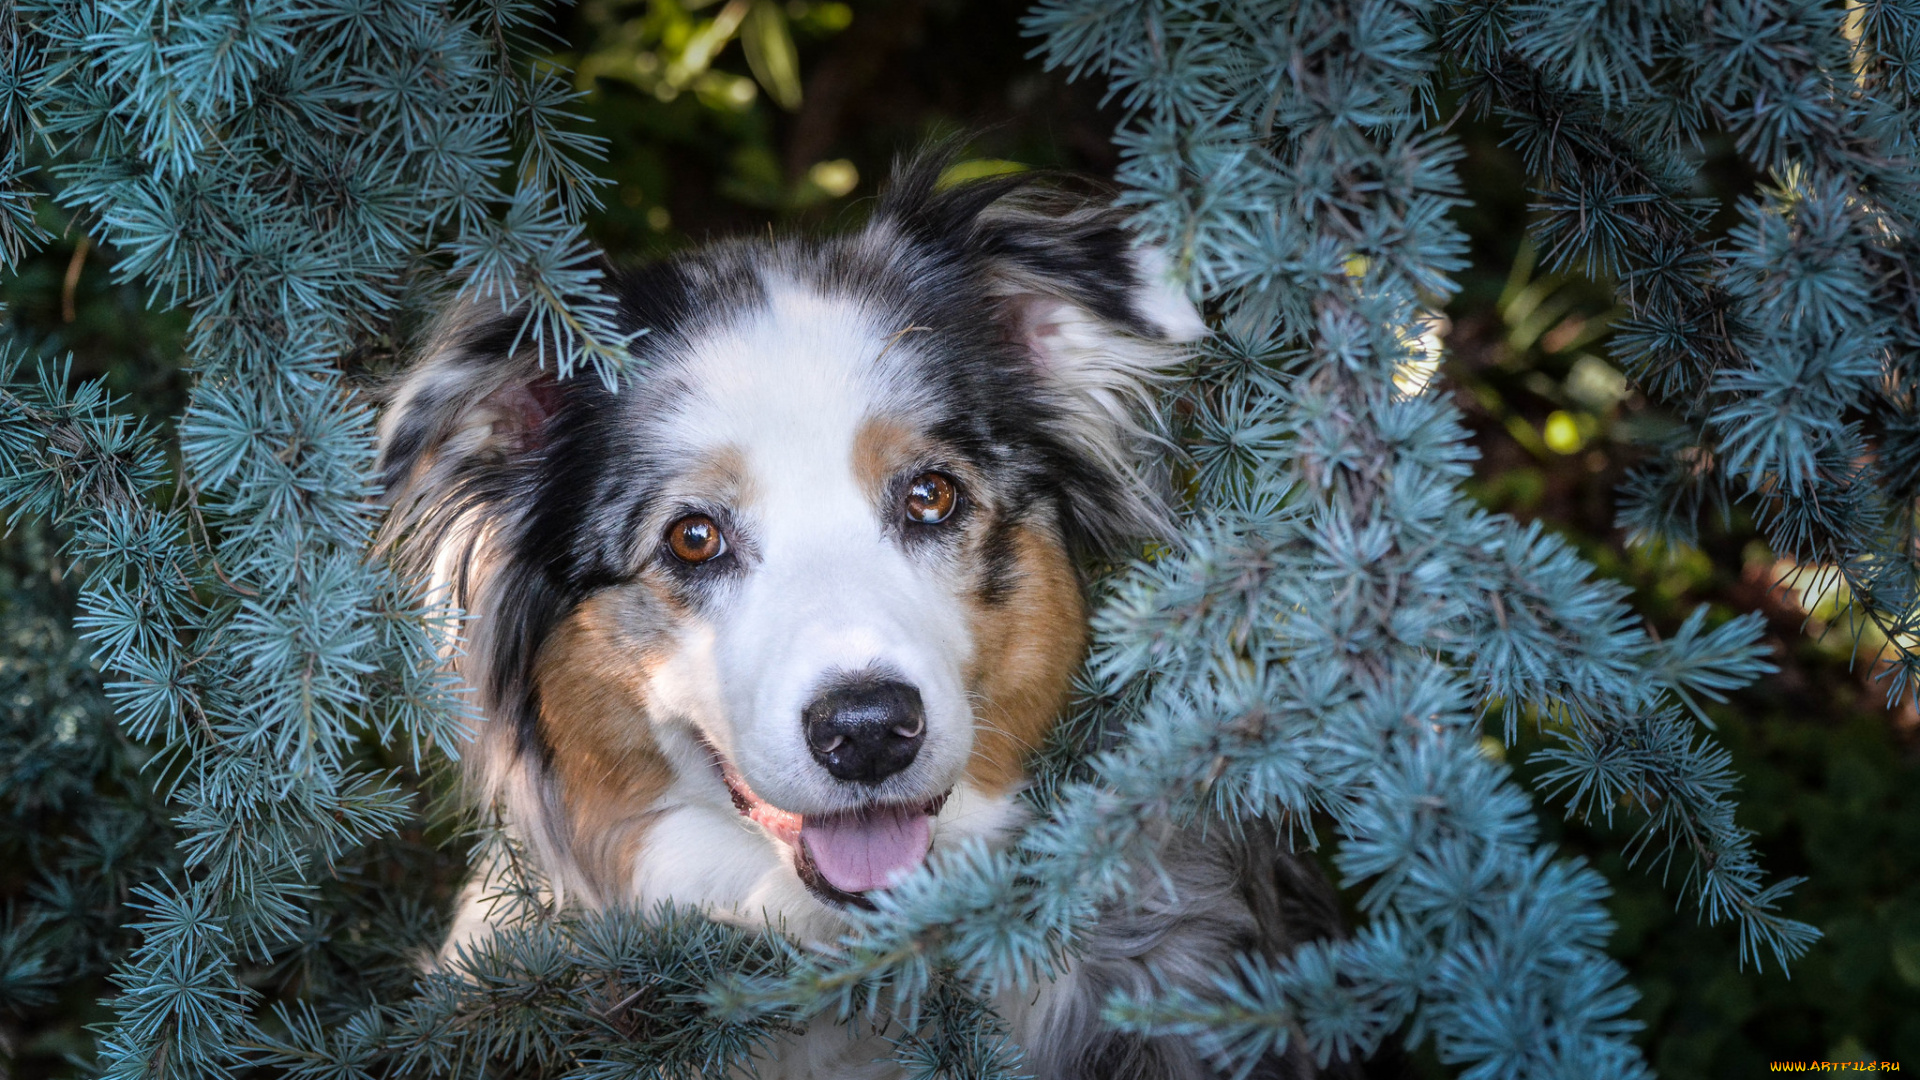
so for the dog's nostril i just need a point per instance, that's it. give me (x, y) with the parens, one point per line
(865, 730)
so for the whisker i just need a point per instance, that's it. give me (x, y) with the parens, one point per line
(1018, 740)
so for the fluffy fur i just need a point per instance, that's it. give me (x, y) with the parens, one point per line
(652, 720)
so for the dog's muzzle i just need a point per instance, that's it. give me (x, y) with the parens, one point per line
(842, 856)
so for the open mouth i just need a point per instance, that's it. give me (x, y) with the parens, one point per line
(842, 856)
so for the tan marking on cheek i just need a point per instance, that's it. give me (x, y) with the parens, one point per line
(593, 715)
(1026, 649)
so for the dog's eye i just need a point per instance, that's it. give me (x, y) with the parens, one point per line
(695, 539)
(930, 498)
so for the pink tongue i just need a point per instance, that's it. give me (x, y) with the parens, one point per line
(860, 852)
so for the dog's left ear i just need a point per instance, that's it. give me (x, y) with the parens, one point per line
(1103, 321)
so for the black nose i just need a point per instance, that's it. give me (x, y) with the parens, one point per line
(866, 730)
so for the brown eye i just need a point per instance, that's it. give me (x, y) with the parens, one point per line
(930, 498)
(695, 539)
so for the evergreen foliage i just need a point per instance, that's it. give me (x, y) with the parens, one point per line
(1318, 649)
(1787, 351)
(288, 174)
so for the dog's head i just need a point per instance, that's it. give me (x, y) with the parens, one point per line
(816, 561)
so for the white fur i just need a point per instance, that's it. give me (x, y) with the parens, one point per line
(829, 593)
(1163, 301)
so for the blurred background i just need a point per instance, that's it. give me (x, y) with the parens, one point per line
(737, 115)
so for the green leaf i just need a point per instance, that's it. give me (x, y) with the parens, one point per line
(770, 53)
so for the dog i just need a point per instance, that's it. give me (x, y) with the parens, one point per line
(763, 625)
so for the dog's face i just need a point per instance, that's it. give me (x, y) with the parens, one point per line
(841, 587)
(811, 571)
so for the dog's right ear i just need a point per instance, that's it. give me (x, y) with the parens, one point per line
(467, 401)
